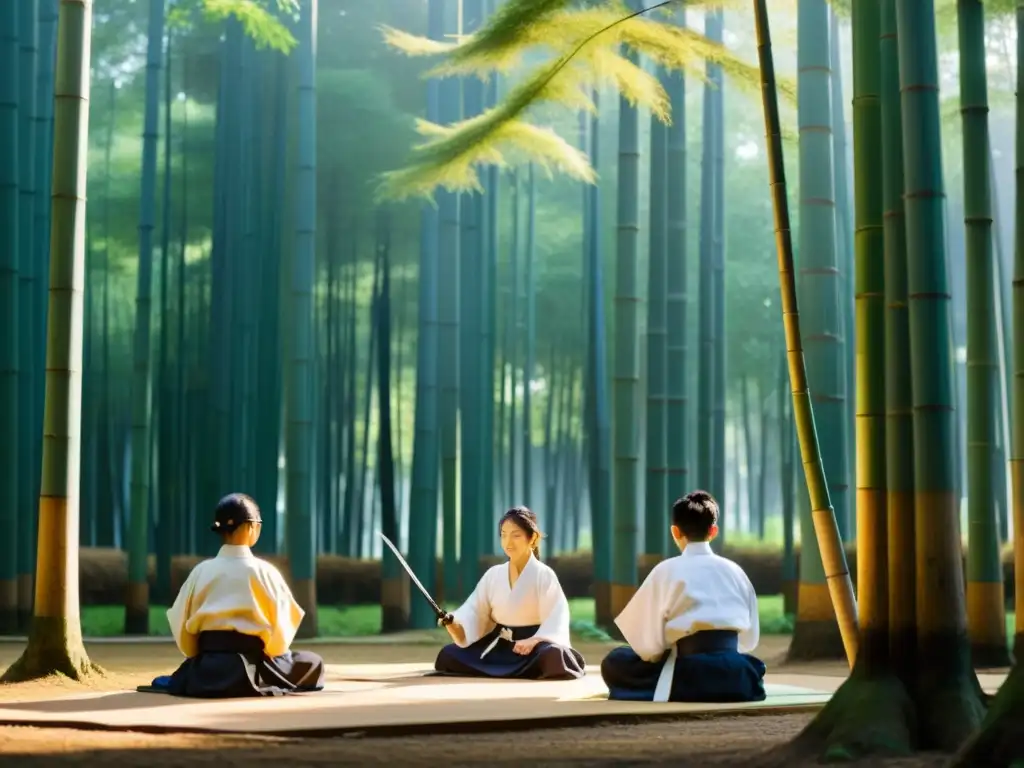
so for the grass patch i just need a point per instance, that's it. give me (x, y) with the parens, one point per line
(364, 620)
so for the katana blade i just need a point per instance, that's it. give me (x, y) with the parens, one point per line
(443, 616)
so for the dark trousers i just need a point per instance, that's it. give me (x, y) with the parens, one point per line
(548, 661)
(708, 668)
(233, 665)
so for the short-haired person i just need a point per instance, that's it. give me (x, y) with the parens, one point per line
(235, 619)
(691, 624)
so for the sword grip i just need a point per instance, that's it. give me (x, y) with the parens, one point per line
(445, 619)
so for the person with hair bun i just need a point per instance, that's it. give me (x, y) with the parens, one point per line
(516, 622)
(691, 625)
(235, 618)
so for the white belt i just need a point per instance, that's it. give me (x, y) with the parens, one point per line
(664, 687)
(504, 634)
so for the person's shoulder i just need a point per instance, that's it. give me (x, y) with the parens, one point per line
(543, 567)
(545, 573)
(265, 566)
(666, 567)
(734, 567)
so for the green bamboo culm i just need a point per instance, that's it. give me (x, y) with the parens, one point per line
(30, 375)
(137, 600)
(717, 362)
(816, 634)
(473, 454)
(986, 612)
(449, 95)
(941, 616)
(299, 444)
(423, 495)
(844, 247)
(869, 310)
(10, 474)
(899, 426)
(627, 355)
(826, 530)
(656, 496)
(705, 278)
(55, 640)
(677, 411)
(998, 740)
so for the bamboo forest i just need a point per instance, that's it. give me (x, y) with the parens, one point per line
(396, 266)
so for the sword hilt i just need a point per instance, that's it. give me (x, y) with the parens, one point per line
(445, 619)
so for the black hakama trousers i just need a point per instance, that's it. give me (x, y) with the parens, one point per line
(708, 668)
(234, 665)
(547, 661)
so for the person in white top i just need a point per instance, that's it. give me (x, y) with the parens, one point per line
(691, 625)
(235, 619)
(516, 622)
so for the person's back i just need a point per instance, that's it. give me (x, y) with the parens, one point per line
(691, 624)
(235, 592)
(235, 618)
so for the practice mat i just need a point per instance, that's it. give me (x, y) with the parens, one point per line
(388, 699)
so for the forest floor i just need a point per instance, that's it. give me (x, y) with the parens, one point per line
(720, 741)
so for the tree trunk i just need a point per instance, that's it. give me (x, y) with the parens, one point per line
(426, 444)
(300, 444)
(827, 532)
(599, 432)
(999, 742)
(136, 620)
(55, 641)
(627, 355)
(474, 454)
(10, 294)
(816, 634)
(448, 308)
(677, 410)
(656, 481)
(986, 609)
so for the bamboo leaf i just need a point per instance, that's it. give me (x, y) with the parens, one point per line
(587, 45)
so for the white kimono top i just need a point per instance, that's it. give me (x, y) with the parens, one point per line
(695, 591)
(235, 591)
(536, 599)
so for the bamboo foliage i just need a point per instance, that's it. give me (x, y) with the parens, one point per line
(589, 46)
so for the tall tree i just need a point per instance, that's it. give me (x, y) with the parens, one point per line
(677, 411)
(827, 533)
(816, 634)
(899, 697)
(597, 416)
(300, 443)
(29, 371)
(449, 95)
(986, 612)
(627, 353)
(55, 640)
(10, 466)
(998, 741)
(423, 495)
(136, 619)
(656, 487)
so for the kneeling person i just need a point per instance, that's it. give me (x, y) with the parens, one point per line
(235, 619)
(691, 624)
(516, 622)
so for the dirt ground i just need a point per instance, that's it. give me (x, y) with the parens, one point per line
(731, 741)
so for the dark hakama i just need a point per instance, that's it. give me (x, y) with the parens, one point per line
(234, 665)
(708, 668)
(547, 661)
